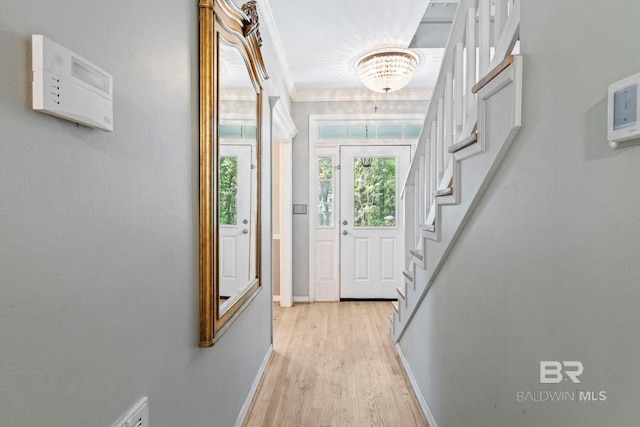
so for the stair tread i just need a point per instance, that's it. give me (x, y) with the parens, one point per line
(395, 306)
(417, 254)
(408, 275)
(443, 192)
(492, 74)
(429, 227)
(401, 293)
(464, 143)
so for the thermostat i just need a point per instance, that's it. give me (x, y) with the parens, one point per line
(623, 127)
(69, 86)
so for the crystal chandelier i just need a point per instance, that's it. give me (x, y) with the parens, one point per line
(387, 70)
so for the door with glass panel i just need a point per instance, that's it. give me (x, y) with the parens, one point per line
(235, 218)
(371, 220)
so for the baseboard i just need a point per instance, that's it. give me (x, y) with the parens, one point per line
(276, 298)
(300, 299)
(416, 389)
(254, 387)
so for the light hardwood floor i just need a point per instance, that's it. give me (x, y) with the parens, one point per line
(334, 364)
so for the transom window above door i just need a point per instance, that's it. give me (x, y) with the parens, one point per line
(369, 131)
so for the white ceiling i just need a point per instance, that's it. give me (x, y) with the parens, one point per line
(323, 39)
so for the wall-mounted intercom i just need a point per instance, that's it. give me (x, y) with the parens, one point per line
(69, 86)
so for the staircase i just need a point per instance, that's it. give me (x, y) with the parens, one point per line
(472, 119)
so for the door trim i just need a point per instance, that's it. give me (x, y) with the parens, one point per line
(284, 130)
(315, 120)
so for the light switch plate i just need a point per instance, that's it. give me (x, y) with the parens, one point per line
(299, 209)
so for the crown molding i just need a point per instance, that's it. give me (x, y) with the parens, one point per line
(316, 119)
(238, 95)
(282, 118)
(360, 95)
(272, 36)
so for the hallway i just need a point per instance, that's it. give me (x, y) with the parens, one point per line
(334, 364)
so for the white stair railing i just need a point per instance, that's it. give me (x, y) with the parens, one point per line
(483, 34)
(483, 40)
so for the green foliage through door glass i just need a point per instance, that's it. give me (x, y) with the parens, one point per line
(374, 192)
(325, 192)
(228, 190)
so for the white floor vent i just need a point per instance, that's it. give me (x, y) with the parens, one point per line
(137, 416)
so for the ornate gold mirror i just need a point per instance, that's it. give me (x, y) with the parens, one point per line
(231, 72)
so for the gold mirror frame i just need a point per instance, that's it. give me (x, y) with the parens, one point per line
(221, 18)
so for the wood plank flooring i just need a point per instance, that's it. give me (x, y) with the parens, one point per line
(334, 364)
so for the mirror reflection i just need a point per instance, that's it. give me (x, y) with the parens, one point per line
(237, 177)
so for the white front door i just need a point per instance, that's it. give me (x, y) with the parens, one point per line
(235, 218)
(372, 220)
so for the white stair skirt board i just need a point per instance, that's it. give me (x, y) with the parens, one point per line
(499, 120)
(254, 387)
(420, 263)
(451, 174)
(416, 389)
(430, 229)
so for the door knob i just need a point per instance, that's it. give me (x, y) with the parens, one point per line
(245, 221)
(345, 222)
(245, 231)
(345, 232)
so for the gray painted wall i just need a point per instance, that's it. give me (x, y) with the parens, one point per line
(99, 231)
(300, 113)
(547, 268)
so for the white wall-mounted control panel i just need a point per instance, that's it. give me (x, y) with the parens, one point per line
(69, 86)
(623, 124)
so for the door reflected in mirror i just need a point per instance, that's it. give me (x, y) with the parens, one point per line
(237, 178)
(231, 74)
